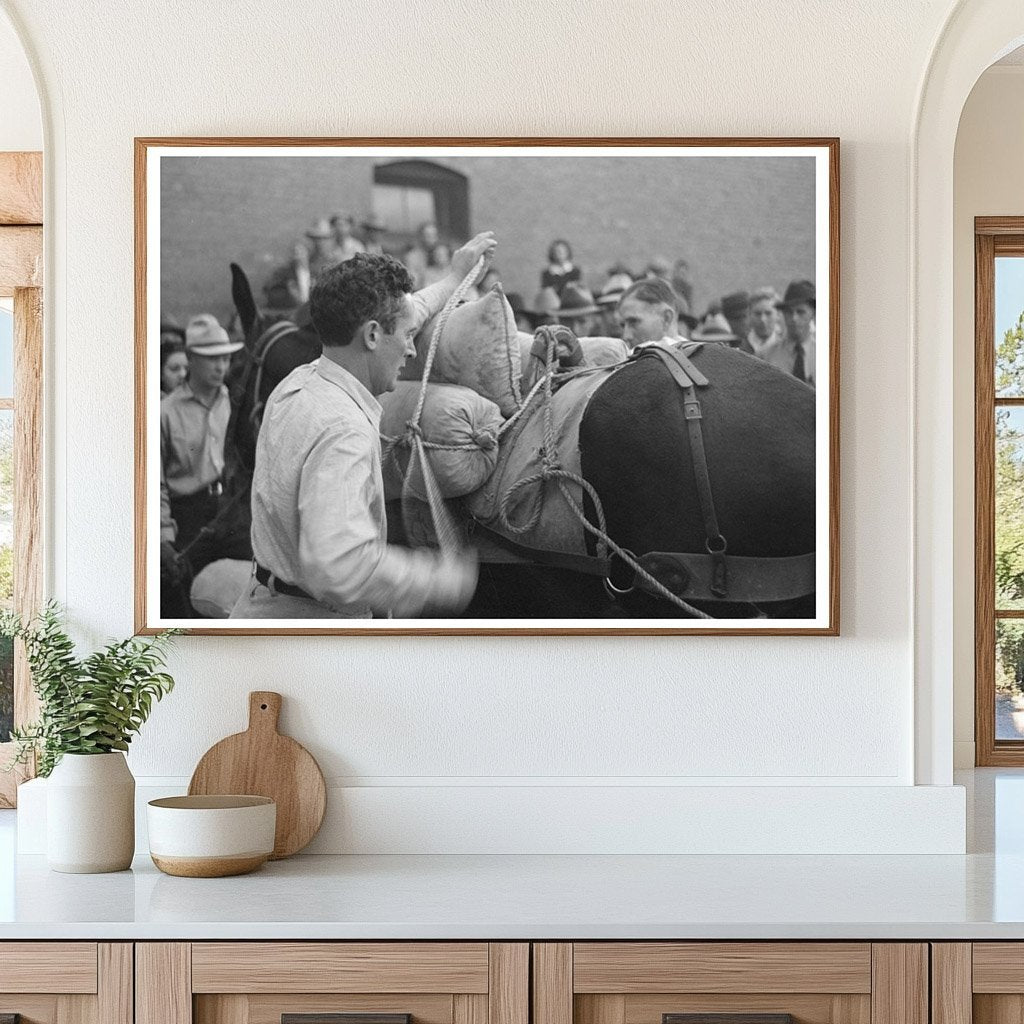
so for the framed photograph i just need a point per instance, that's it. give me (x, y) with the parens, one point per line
(499, 386)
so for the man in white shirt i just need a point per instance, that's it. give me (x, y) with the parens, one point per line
(766, 328)
(319, 532)
(649, 314)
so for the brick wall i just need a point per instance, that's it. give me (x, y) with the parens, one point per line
(742, 222)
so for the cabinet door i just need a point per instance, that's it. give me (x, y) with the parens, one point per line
(332, 983)
(981, 982)
(66, 982)
(730, 983)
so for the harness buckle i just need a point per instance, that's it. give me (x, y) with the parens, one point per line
(692, 411)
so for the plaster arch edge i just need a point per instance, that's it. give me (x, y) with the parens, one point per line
(48, 93)
(974, 34)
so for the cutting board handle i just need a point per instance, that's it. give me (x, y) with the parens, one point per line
(264, 710)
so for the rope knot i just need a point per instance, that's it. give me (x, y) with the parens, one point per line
(413, 429)
(485, 440)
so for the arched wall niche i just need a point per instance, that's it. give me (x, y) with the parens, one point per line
(976, 34)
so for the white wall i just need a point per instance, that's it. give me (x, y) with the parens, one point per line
(987, 182)
(438, 714)
(21, 126)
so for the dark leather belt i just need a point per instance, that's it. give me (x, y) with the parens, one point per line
(272, 582)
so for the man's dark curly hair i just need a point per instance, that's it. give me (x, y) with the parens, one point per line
(365, 287)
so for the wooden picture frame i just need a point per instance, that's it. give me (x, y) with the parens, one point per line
(172, 232)
(993, 237)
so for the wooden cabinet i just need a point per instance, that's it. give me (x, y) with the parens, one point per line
(66, 982)
(512, 983)
(306, 982)
(753, 982)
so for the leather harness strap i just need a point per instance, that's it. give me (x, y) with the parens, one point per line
(695, 576)
(755, 580)
(590, 564)
(688, 377)
(686, 574)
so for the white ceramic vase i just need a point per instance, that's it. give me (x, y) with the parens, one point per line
(90, 814)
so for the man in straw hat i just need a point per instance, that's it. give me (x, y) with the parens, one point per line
(193, 425)
(319, 532)
(796, 351)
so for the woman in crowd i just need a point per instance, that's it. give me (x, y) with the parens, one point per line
(560, 270)
(173, 365)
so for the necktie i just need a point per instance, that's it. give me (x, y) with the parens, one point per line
(799, 370)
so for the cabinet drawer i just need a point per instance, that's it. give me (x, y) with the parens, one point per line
(634, 967)
(730, 983)
(58, 967)
(340, 967)
(332, 983)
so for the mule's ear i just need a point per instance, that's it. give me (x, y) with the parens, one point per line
(241, 293)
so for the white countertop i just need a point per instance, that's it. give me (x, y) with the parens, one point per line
(976, 896)
(517, 897)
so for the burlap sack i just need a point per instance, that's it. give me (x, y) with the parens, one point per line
(477, 349)
(451, 415)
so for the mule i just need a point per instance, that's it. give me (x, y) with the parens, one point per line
(758, 427)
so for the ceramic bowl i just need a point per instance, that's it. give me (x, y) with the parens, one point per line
(211, 836)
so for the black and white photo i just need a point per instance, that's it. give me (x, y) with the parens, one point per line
(533, 386)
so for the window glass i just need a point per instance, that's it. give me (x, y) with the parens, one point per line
(403, 208)
(6, 353)
(1009, 327)
(1009, 512)
(1009, 679)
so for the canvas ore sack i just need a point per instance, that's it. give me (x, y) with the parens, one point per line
(478, 349)
(452, 415)
(521, 455)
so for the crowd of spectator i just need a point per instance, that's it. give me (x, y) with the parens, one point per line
(650, 305)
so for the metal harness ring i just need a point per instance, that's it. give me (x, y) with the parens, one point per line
(613, 591)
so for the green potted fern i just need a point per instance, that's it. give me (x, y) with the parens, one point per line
(90, 708)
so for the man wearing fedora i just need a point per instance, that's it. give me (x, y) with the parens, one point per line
(736, 309)
(795, 352)
(193, 425)
(608, 300)
(373, 230)
(577, 309)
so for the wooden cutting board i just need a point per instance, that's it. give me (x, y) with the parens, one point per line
(262, 762)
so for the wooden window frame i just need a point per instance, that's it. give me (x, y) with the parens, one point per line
(21, 278)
